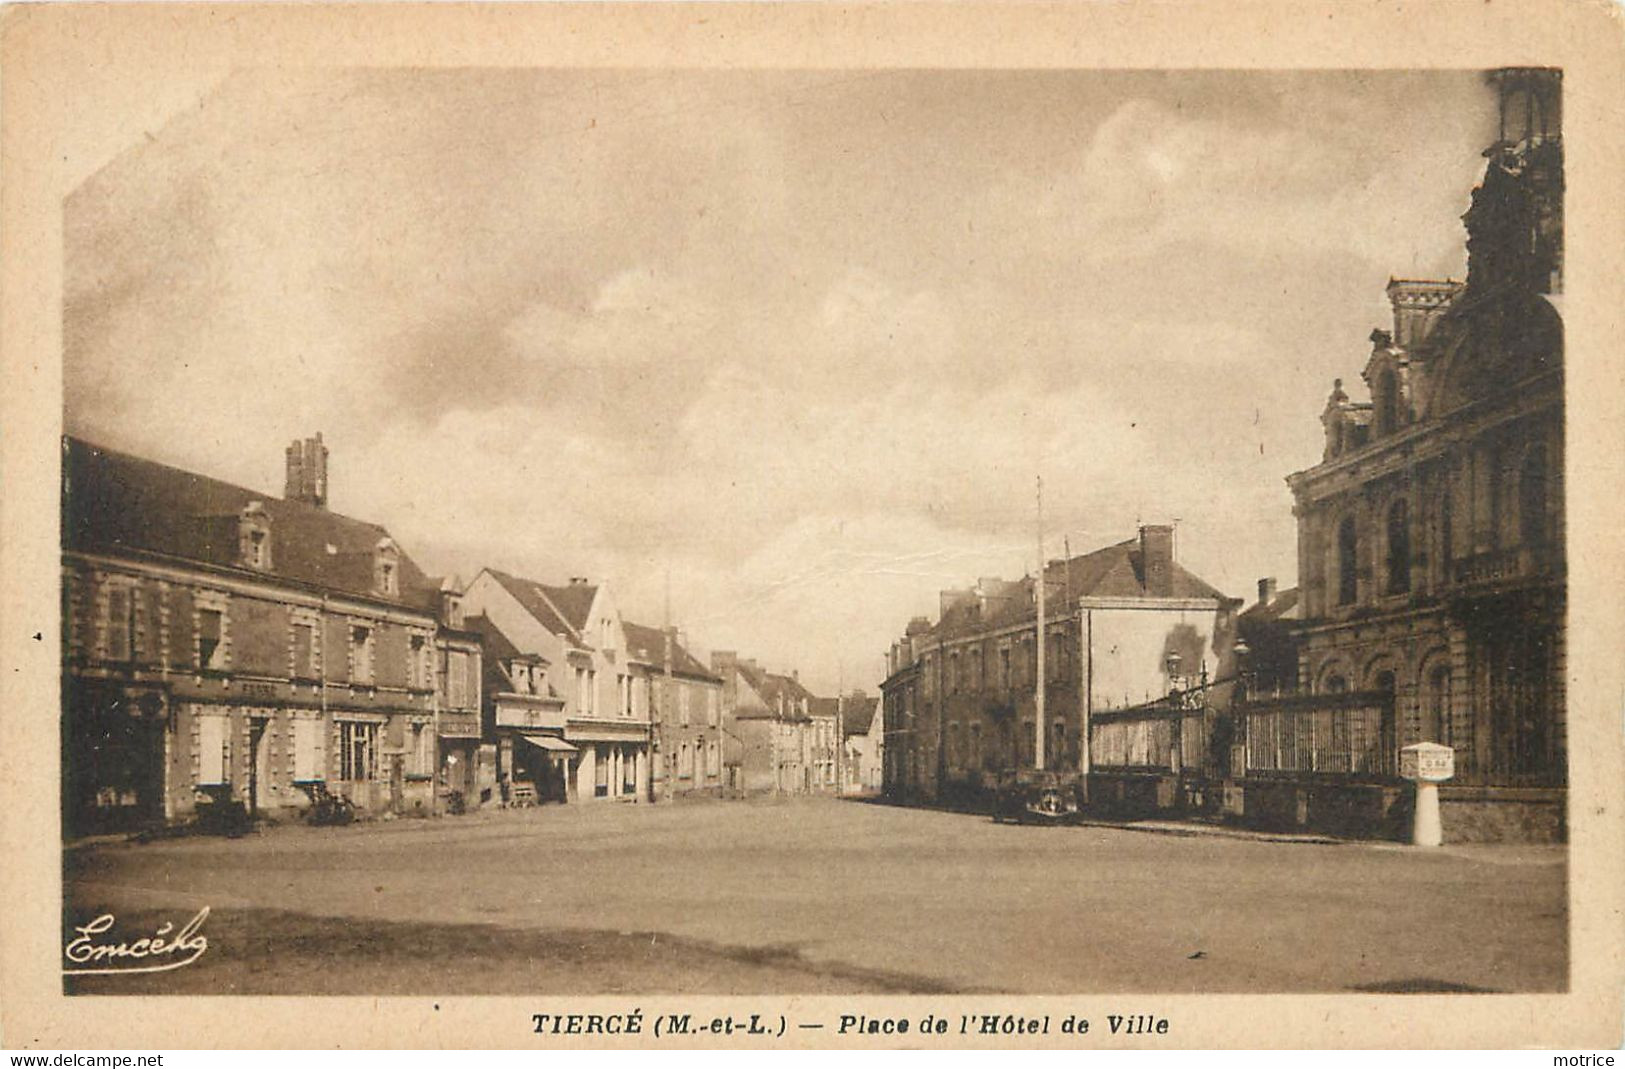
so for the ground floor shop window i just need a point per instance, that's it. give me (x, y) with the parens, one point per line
(600, 787)
(358, 750)
(629, 772)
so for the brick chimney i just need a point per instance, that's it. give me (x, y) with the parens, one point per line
(307, 472)
(1266, 590)
(1157, 559)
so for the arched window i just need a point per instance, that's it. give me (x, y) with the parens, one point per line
(1399, 549)
(1532, 498)
(1387, 402)
(1348, 545)
(1336, 684)
(1436, 706)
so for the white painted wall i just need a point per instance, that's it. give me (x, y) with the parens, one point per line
(1126, 643)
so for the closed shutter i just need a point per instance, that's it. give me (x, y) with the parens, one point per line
(307, 750)
(211, 748)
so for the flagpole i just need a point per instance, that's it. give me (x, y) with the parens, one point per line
(1039, 683)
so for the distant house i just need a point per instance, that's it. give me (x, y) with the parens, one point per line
(576, 630)
(1267, 630)
(223, 645)
(1124, 626)
(861, 742)
(685, 702)
(778, 741)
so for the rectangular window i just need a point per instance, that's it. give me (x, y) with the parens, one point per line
(685, 763)
(415, 676)
(600, 772)
(307, 750)
(682, 704)
(304, 651)
(120, 624)
(360, 655)
(209, 653)
(357, 750)
(213, 736)
(422, 761)
(629, 772)
(713, 759)
(457, 680)
(713, 706)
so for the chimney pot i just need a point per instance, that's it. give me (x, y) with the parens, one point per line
(307, 471)
(1266, 590)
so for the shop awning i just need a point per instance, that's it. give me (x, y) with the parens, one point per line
(549, 742)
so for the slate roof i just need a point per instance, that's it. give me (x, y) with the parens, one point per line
(857, 714)
(1283, 607)
(574, 601)
(498, 647)
(113, 502)
(647, 645)
(1114, 571)
(536, 598)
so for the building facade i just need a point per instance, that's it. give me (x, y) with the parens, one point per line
(224, 646)
(576, 634)
(1123, 626)
(685, 702)
(862, 737)
(1431, 534)
(779, 738)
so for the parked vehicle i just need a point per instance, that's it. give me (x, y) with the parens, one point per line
(327, 807)
(1031, 794)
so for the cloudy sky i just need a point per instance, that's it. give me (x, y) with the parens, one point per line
(801, 340)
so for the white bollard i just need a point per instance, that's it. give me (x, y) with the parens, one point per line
(1427, 831)
(1427, 764)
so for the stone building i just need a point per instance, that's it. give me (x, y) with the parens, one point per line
(1123, 626)
(776, 741)
(524, 720)
(862, 740)
(223, 645)
(575, 634)
(1431, 534)
(686, 702)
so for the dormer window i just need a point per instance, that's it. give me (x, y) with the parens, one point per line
(254, 537)
(386, 568)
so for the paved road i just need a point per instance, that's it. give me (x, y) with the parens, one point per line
(880, 897)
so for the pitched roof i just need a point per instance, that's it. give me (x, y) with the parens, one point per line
(536, 599)
(1283, 607)
(498, 646)
(113, 502)
(1113, 571)
(857, 714)
(647, 645)
(574, 601)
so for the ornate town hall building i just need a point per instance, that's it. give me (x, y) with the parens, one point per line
(1430, 535)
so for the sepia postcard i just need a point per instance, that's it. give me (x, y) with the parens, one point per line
(760, 526)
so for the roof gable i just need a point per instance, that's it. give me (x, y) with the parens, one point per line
(533, 598)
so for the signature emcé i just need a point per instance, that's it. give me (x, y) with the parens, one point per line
(92, 954)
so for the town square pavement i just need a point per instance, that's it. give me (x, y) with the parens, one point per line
(820, 895)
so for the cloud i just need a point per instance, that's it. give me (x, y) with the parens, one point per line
(804, 340)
